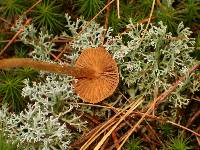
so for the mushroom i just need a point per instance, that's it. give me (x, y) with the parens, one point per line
(95, 71)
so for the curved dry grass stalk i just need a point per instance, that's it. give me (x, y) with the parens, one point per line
(101, 130)
(183, 127)
(126, 112)
(118, 14)
(133, 106)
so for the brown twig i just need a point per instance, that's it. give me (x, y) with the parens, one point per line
(191, 120)
(118, 14)
(132, 106)
(28, 10)
(120, 139)
(6, 41)
(88, 117)
(84, 137)
(4, 20)
(15, 36)
(66, 48)
(152, 134)
(107, 15)
(115, 139)
(198, 131)
(54, 56)
(133, 114)
(103, 147)
(149, 20)
(183, 127)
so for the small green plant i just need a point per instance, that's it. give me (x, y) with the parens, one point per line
(114, 22)
(134, 144)
(11, 8)
(4, 145)
(179, 143)
(144, 6)
(166, 130)
(89, 8)
(27, 73)
(10, 89)
(191, 11)
(48, 14)
(11, 84)
(169, 16)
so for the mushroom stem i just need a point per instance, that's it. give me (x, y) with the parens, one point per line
(45, 66)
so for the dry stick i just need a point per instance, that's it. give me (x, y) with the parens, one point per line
(104, 127)
(149, 20)
(118, 15)
(133, 106)
(158, 100)
(141, 114)
(153, 133)
(134, 113)
(198, 138)
(87, 116)
(104, 145)
(191, 120)
(62, 52)
(158, 119)
(115, 139)
(120, 139)
(107, 15)
(45, 66)
(161, 120)
(183, 127)
(21, 30)
(6, 41)
(85, 136)
(15, 36)
(27, 11)
(166, 121)
(54, 56)
(4, 20)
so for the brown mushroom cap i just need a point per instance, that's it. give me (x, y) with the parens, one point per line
(106, 78)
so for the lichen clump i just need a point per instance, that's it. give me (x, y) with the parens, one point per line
(149, 62)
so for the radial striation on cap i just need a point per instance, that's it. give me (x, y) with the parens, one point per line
(106, 78)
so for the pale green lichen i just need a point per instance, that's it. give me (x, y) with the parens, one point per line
(149, 62)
